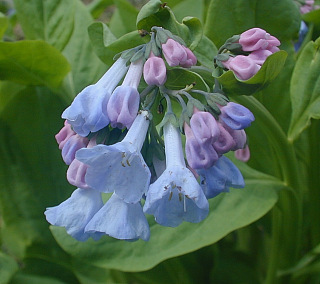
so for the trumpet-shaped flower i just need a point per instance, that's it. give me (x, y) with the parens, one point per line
(124, 102)
(75, 213)
(155, 71)
(88, 111)
(120, 220)
(176, 195)
(236, 116)
(220, 177)
(119, 168)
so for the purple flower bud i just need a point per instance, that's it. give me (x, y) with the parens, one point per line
(259, 56)
(124, 102)
(191, 58)
(174, 52)
(243, 154)
(199, 155)
(242, 66)
(76, 174)
(256, 38)
(154, 71)
(70, 148)
(236, 116)
(123, 106)
(64, 134)
(239, 137)
(225, 141)
(204, 127)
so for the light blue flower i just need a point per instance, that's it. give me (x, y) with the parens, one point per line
(176, 195)
(120, 168)
(220, 177)
(121, 220)
(75, 213)
(302, 34)
(88, 111)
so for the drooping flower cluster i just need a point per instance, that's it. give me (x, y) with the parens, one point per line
(115, 151)
(245, 54)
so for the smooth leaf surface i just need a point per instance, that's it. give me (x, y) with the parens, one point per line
(32, 63)
(8, 268)
(305, 89)
(107, 46)
(226, 18)
(228, 212)
(3, 24)
(268, 72)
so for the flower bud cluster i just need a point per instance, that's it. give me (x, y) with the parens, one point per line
(256, 45)
(112, 145)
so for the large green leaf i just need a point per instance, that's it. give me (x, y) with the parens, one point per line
(228, 212)
(226, 18)
(3, 24)
(305, 89)
(63, 24)
(32, 62)
(268, 72)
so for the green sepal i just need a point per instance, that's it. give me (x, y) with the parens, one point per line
(222, 56)
(194, 103)
(103, 135)
(268, 72)
(168, 117)
(138, 55)
(184, 117)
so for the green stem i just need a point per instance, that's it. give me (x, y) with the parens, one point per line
(287, 218)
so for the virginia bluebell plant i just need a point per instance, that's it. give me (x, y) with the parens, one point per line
(113, 145)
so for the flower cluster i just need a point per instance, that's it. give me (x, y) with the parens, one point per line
(245, 54)
(116, 152)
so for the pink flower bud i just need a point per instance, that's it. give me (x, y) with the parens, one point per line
(154, 71)
(69, 150)
(242, 66)
(239, 137)
(64, 134)
(123, 106)
(256, 39)
(191, 59)
(174, 52)
(76, 174)
(204, 127)
(260, 56)
(199, 155)
(243, 154)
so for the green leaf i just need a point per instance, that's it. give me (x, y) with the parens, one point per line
(63, 24)
(8, 267)
(229, 212)
(3, 24)
(107, 46)
(305, 89)
(153, 14)
(205, 52)
(97, 7)
(22, 278)
(178, 78)
(32, 171)
(268, 72)
(312, 17)
(189, 8)
(225, 18)
(124, 18)
(32, 63)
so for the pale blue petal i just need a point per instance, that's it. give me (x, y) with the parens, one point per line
(235, 178)
(75, 213)
(176, 196)
(116, 168)
(88, 111)
(120, 220)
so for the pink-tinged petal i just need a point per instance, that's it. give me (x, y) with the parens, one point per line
(64, 134)
(244, 67)
(253, 39)
(76, 174)
(260, 56)
(174, 53)
(243, 154)
(154, 71)
(225, 141)
(74, 143)
(191, 59)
